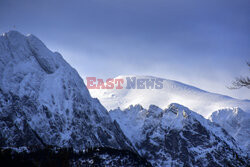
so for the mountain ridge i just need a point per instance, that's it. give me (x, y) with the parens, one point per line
(196, 99)
(178, 136)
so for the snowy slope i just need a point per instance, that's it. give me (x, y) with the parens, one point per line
(173, 92)
(43, 100)
(178, 136)
(236, 122)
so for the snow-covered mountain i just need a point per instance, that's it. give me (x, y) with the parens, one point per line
(236, 122)
(44, 104)
(172, 92)
(178, 136)
(43, 100)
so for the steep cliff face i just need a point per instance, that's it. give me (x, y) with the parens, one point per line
(43, 100)
(178, 136)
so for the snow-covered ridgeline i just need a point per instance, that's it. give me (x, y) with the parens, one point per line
(198, 100)
(177, 136)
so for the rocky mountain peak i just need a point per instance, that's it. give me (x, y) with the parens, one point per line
(44, 98)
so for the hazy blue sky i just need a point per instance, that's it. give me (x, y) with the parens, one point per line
(198, 42)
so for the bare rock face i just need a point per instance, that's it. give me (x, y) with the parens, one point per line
(43, 100)
(178, 136)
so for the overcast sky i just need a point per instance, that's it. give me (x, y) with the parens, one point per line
(198, 42)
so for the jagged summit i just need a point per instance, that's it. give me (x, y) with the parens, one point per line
(19, 43)
(22, 55)
(177, 136)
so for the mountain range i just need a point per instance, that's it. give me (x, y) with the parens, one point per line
(45, 107)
